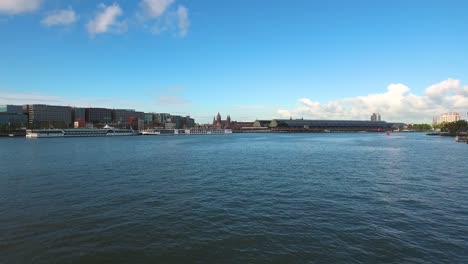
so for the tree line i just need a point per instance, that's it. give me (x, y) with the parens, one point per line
(454, 127)
(447, 127)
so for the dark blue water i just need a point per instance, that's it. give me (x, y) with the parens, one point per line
(266, 198)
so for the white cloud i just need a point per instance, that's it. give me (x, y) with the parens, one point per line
(437, 90)
(155, 8)
(184, 23)
(106, 20)
(159, 17)
(396, 104)
(60, 17)
(19, 6)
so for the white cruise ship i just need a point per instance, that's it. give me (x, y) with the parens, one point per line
(80, 132)
(195, 131)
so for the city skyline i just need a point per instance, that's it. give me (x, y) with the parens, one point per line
(406, 61)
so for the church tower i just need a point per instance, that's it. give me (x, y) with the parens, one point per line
(218, 120)
(228, 122)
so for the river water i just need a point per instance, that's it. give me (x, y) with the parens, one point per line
(241, 198)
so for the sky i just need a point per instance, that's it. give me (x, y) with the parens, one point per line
(407, 60)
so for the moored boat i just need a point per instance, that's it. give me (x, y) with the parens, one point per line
(79, 132)
(194, 131)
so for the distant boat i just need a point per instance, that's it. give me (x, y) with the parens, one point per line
(167, 132)
(388, 133)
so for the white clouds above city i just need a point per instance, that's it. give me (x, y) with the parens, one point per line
(60, 17)
(19, 6)
(396, 104)
(106, 20)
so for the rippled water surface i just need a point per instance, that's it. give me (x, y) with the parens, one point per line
(242, 198)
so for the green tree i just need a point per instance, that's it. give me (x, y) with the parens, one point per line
(455, 127)
(420, 127)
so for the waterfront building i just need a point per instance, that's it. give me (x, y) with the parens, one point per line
(98, 115)
(79, 117)
(12, 109)
(138, 124)
(449, 117)
(238, 126)
(301, 125)
(78, 113)
(177, 120)
(219, 123)
(148, 118)
(79, 123)
(13, 115)
(161, 118)
(189, 122)
(227, 124)
(170, 125)
(126, 116)
(375, 117)
(261, 123)
(45, 116)
(13, 119)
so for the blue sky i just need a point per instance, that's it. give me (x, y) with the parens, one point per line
(251, 59)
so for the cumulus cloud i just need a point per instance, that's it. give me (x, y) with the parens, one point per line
(155, 8)
(60, 17)
(396, 104)
(19, 6)
(160, 16)
(184, 23)
(107, 20)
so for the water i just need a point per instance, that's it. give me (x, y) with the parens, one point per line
(252, 198)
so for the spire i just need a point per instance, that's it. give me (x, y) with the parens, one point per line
(228, 122)
(218, 118)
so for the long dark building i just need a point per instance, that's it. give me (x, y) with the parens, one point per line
(99, 115)
(45, 116)
(13, 115)
(79, 113)
(300, 125)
